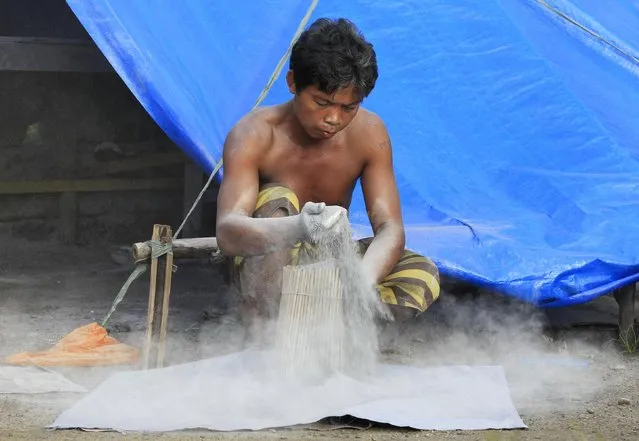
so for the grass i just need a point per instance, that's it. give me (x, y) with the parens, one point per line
(629, 341)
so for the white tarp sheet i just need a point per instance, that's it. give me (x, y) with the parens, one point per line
(34, 380)
(238, 392)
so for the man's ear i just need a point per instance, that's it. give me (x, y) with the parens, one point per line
(290, 82)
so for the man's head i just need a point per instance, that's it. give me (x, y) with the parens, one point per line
(332, 69)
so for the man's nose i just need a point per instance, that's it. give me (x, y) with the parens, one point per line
(332, 118)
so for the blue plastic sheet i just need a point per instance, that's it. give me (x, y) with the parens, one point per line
(514, 145)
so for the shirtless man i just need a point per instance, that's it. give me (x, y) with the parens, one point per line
(286, 164)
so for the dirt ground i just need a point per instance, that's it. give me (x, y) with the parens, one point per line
(568, 378)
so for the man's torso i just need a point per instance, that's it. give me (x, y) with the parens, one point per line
(324, 172)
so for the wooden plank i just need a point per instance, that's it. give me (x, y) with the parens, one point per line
(68, 218)
(88, 185)
(136, 164)
(32, 54)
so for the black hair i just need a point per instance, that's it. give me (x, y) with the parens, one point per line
(331, 55)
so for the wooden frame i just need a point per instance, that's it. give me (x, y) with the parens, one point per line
(69, 189)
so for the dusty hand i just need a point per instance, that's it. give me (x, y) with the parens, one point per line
(317, 219)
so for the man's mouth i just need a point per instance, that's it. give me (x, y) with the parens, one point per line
(327, 133)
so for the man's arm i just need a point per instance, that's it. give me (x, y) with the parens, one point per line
(238, 233)
(382, 204)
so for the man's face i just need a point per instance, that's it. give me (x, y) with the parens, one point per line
(322, 115)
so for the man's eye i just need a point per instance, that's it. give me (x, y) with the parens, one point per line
(321, 103)
(349, 108)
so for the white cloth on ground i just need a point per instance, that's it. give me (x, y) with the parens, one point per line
(238, 392)
(34, 380)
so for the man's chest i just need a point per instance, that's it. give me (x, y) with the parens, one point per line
(326, 176)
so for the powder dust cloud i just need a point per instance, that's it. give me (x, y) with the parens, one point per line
(543, 374)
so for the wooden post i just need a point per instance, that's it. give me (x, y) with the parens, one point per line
(625, 298)
(159, 297)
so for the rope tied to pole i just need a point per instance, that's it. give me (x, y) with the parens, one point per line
(140, 269)
(159, 249)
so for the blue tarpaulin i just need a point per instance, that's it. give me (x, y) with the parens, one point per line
(514, 122)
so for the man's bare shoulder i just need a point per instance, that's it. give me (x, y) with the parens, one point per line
(369, 131)
(253, 131)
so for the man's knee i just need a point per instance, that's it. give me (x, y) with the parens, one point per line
(280, 212)
(403, 313)
(276, 201)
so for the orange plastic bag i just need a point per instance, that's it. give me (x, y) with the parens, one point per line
(88, 345)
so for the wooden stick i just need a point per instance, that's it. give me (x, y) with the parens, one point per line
(151, 307)
(158, 308)
(88, 185)
(168, 272)
(196, 248)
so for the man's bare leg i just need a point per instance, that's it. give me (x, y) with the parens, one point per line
(260, 292)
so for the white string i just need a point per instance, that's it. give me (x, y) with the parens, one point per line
(260, 98)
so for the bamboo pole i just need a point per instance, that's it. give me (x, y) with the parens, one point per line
(200, 247)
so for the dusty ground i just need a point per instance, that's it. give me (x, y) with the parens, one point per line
(46, 291)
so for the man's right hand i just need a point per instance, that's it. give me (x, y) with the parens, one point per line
(317, 219)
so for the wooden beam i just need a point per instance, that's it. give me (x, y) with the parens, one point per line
(33, 54)
(88, 185)
(136, 164)
(196, 248)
